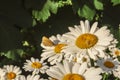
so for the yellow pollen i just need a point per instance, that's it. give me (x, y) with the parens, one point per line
(59, 47)
(86, 41)
(84, 59)
(109, 64)
(73, 77)
(36, 65)
(117, 52)
(11, 75)
(75, 59)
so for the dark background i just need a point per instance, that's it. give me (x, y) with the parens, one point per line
(16, 26)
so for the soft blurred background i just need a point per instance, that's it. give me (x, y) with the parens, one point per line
(24, 22)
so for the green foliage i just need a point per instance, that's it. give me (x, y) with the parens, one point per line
(115, 2)
(62, 3)
(84, 9)
(48, 8)
(13, 54)
(34, 22)
(98, 5)
(88, 9)
(86, 12)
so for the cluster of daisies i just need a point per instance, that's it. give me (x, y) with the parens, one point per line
(84, 53)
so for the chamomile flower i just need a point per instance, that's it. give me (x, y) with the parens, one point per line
(90, 41)
(2, 74)
(53, 47)
(108, 65)
(70, 71)
(35, 66)
(29, 77)
(115, 52)
(12, 72)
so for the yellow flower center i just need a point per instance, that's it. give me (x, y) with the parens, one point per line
(117, 52)
(75, 59)
(84, 59)
(11, 75)
(36, 65)
(109, 64)
(73, 77)
(86, 40)
(59, 47)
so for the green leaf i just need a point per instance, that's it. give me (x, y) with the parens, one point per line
(115, 2)
(86, 12)
(13, 54)
(48, 8)
(62, 3)
(98, 5)
(53, 7)
(34, 22)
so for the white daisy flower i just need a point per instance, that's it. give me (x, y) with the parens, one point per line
(35, 66)
(85, 40)
(2, 74)
(115, 52)
(108, 65)
(30, 77)
(53, 49)
(70, 71)
(12, 72)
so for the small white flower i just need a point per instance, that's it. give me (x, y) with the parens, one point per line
(53, 49)
(12, 72)
(89, 41)
(115, 52)
(70, 71)
(108, 65)
(83, 59)
(29, 77)
(35, 66)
